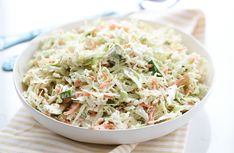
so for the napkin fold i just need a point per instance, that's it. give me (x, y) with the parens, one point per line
(24, 135)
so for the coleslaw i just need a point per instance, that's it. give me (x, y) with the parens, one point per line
(114, 75)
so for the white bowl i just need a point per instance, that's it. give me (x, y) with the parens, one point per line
(111, 136)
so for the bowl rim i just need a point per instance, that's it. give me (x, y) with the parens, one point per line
(80, 22)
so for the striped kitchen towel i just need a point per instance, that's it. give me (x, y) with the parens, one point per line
(24, 135)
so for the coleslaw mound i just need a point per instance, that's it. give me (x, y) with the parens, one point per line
(114, 75)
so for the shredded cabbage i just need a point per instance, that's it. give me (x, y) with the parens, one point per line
(114, 75)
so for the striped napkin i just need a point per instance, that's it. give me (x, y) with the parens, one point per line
(24, 135)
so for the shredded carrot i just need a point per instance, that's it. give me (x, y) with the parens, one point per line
(127, 46)
(100, 121)
(67, 122)
(183, 80)
(113, 26)
(126, 29)
(187, 91)
(84, 93)
(105, 64)
(105, 126)
(109, 126)
(63, 106)
(146, 106)
(77, 83)
(132, 53)
(191, 103)
(66, 100)
(151, 115)
(91, 44)
(72, 109)
(154, 84)
(181, 49)
(61, 42)
(93, 78)
(104, 84)
(41, 92)
(108, 97)
(94, 32)
(92, 113)
(149, 65)
(104, 75)
(78, 94)
(47, 113)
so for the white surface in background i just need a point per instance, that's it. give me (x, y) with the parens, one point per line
(17, 16)
(214, 126)
(199, 136)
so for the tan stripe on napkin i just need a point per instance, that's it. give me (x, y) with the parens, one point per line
(24, 135)
(189, 21)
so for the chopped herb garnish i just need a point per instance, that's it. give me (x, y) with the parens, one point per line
(155, 68)
(66, 94)
(83, 115)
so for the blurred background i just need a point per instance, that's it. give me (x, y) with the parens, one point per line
(212, 130)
